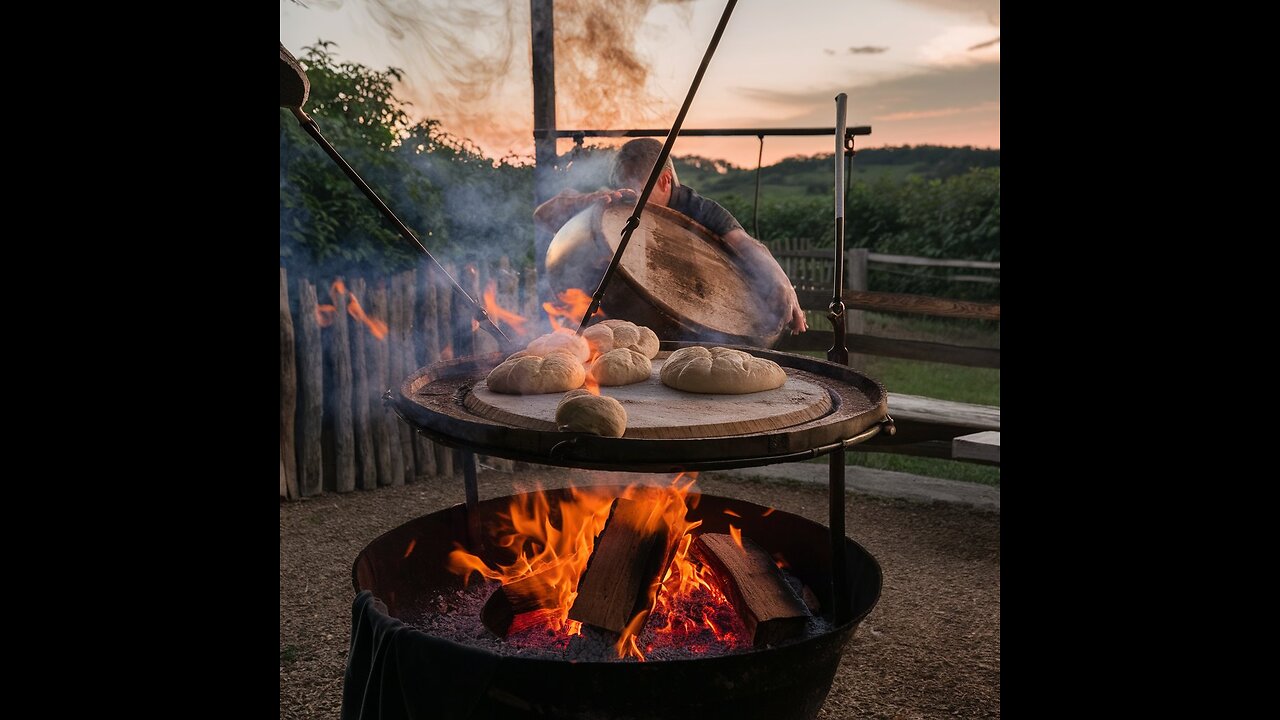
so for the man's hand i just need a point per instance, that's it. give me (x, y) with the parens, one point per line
(609, 197)
(797, 323)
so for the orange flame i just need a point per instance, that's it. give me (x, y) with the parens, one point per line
(768, 512)
(736, 534)
(727, 511)
(542, 547)
(591, 385)
(572, 306)
(325, 313)
(499, 313)
(409, 551)
(558, 543)
(377, 328)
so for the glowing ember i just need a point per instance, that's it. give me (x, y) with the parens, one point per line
(727, 511)
(409, 550)
(499, 313)
(684, 610)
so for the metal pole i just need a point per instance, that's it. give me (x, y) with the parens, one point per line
(634, 220)
(839, 353)
(543, 46)
(467, 459)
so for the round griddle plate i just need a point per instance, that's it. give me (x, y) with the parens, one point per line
(673, 430)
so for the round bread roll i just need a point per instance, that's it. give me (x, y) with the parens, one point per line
(580, 411)
(614, 334)
(623, 366)
(721, 371)
(564, 341)
(533, 375)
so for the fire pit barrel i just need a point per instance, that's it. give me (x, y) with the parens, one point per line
(395, 670)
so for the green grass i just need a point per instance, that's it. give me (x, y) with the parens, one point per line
(935, 380)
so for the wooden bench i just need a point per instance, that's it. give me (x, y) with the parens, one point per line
(945, 429)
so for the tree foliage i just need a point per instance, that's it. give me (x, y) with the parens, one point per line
(456, 200)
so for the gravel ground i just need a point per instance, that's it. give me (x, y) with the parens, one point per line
(931, 647)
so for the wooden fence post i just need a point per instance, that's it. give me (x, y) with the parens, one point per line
(339, 398)
(444, 316)
(428, 346)
(482, 342)
(399, 332)
(423, 459)
(390, 470)
(444, 333)
(288, 396)
(530, 307)
(855, 272)
(311, 390)
(366, 462)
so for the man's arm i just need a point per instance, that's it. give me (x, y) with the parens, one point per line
(554, 213)
(759, 257)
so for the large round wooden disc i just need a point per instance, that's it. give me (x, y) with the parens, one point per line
(657, 411)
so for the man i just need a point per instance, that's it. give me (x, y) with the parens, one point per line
(631, 168)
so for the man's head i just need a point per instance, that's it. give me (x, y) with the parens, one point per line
(633, 164)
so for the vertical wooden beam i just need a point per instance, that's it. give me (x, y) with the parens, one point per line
(445, 464)
(390, 459)
(855, 263)
(481, 341)
(344, 439)
(444, 307)
(366, 462)
(311, 391)
(532, 308)
(426, 323)
(398, 374)
(543, 47)
(423, 460)
(288, 395)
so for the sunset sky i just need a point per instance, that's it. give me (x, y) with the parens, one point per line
(917, 71)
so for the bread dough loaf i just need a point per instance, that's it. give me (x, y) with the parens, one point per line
(564, 341)
(580, 411)
(721, 371)
(614, 334)
(623, 366)
(533, 375)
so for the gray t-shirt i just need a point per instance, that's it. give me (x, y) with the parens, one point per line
(706, 212)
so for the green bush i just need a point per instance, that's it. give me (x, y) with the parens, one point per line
(456, 201)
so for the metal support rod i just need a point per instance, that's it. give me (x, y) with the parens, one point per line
(313, 130)
(467, 459)
(699, 132)
(634, 221)
(838, 353)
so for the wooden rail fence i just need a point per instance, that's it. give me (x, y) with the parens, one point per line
(346, 340)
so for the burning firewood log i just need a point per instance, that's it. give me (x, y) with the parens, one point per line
(749, 578)
(626, 567)
(524, 595)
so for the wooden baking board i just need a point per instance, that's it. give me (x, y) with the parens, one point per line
(659, 412)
